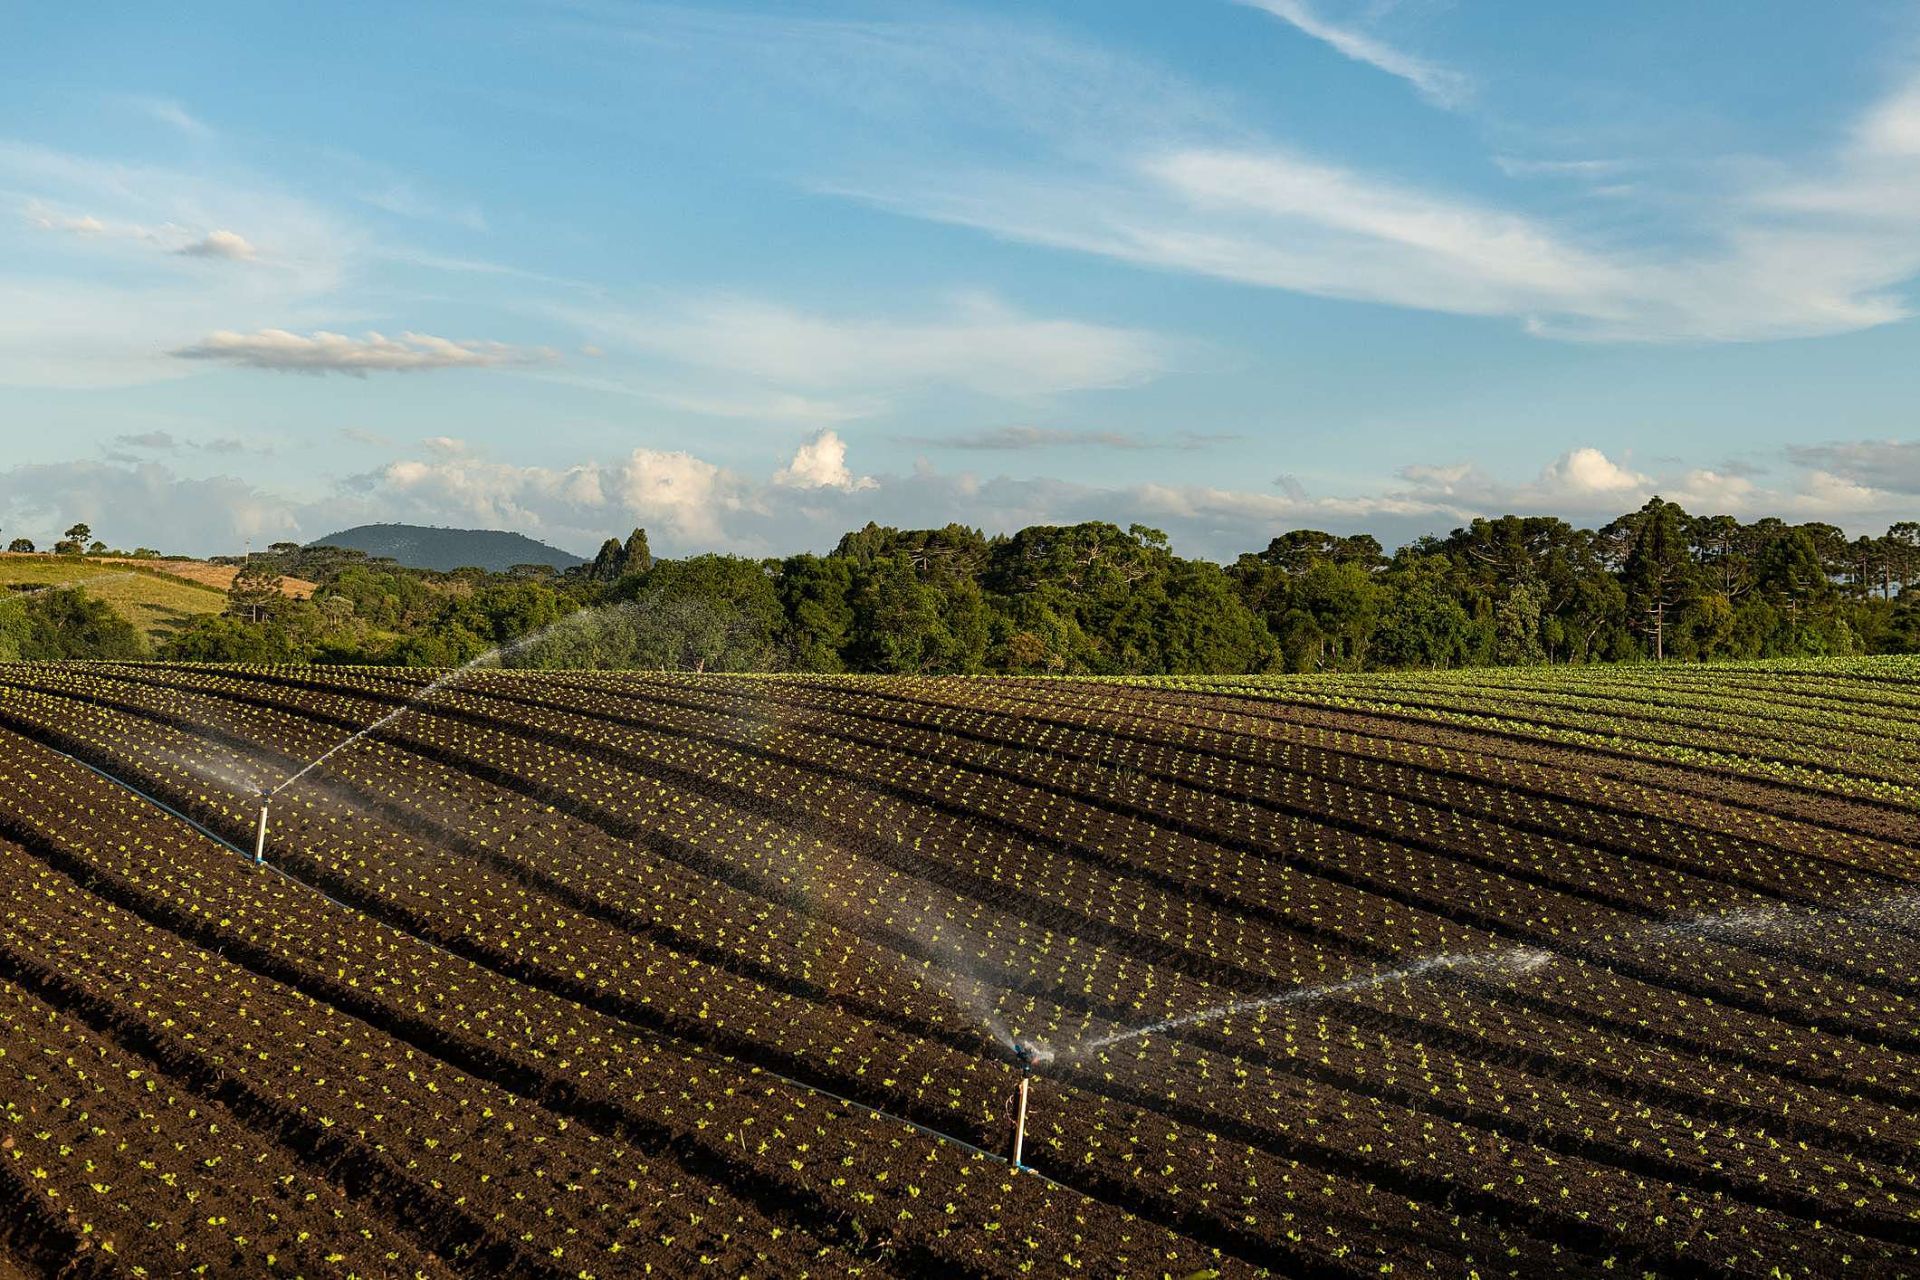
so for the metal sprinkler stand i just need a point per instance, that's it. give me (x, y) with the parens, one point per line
(1023, 1054)
(260, 831)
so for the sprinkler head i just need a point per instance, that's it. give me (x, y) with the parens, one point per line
(1026, 1055)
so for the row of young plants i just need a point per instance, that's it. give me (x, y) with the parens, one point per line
(911, 1195)
(114, 1167)
(1221, 799)
(1709, 794)
(1269, 1189)
(1841, 991)
(624, 783)
(1110, 1119)
(1806, 765)
(1890, 691)
(1595, 1191)
(1783, 729)
(1536, 1090)
(1111, 724)
(1055, 892)
(1693, 1026)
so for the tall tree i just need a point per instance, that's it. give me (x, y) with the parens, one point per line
(1658, 571)
(254, 592)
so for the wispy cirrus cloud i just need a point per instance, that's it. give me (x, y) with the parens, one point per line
(1436, 83)
(373, 352)
(171, 113)
(1033, 140)
(793, 363)
(1024, 439)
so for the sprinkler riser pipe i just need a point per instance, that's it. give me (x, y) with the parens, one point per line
(1020, 1123)
(260, 837)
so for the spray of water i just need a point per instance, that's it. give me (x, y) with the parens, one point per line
(499, 656)
(1775, 927)
(1514, 960)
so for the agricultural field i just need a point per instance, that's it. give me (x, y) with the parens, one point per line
(580, 974)
(153, 600)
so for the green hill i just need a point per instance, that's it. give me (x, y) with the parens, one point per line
(153, 601)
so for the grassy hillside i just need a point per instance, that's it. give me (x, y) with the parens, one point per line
(154, 602)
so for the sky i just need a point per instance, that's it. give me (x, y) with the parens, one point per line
(751, 275)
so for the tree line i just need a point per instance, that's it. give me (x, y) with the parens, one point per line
(1093, 598)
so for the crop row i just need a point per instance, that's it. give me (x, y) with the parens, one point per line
(1712, 793)
(1703, 1026)
(1615, 1200)
(1246, 869)
(1811, 762)
(112, 1163)
(1111, 723)
(611, 1078)
(1101, 1136)
(1328, 1140)
(1685, 868)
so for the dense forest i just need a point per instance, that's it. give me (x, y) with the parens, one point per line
(1656, 583)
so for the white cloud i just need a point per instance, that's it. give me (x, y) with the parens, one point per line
(172, 114)
(1020, 439)
(168, 237)
(1437, 83)
(102, 305)
(1884, 464)
(687, 494)
(690, 504)
(1690, 253)
(79, 224)
(220, 243)
(980, 344)
(141, 503)
(325, 352)
(1587, 473)
(821, 463)
(676, 494)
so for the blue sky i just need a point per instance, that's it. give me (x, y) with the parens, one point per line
(751, 275)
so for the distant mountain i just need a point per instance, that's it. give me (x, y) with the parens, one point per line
(423, 547)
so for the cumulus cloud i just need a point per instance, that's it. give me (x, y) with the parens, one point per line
(1587, 473)
(325, 352)
(143, 502)
(230, 245)
(692, 504)
(1436, 83)
(1838, 483)
(821, 463)
(672, 492)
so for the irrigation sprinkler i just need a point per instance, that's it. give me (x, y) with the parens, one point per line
(1023, 1054)
(260, 831)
